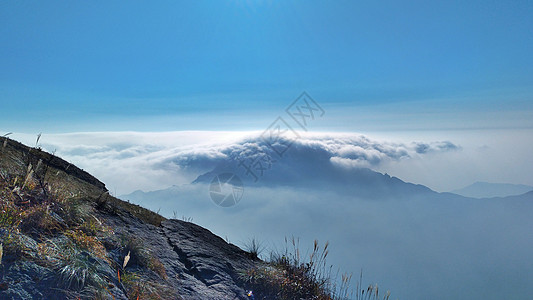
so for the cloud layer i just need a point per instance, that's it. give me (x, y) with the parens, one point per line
(127, 161)
(421, 247)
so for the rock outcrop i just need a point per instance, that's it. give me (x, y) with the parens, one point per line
(64, 237)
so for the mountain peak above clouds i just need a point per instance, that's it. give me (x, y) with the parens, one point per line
(338, 162)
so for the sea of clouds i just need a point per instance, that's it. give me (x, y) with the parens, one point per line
(419, 248)
(128, 161)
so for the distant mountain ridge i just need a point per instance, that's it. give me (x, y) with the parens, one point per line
(314, 169)
(489, 190)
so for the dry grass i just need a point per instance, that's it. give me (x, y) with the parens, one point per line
(140, 255)
(291, 274)
(138, 288)
(89, 243)
(254, 247)
(55, 214)
(288, 276)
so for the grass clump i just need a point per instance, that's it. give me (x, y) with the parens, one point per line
(287, 276)
(254, 247)
(10, 215)
(140, 255)
(89, 243)
(371, 293)
(40, 219)
(13, 245)
(290, 274)
(79, 271)
(139, 288)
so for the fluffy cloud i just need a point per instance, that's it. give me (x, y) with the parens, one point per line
(358, 150)
(127, 161)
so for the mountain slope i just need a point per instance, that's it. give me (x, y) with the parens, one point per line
(64, 237)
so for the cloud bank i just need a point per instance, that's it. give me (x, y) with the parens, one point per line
(128, 161)
(425, 248)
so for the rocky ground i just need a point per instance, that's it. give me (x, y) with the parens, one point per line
(64, 237)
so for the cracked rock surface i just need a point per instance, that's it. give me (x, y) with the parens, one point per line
(199, 264)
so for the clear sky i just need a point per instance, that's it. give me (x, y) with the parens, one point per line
(233, 65)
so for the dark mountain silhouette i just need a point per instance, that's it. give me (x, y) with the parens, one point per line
(316, 171)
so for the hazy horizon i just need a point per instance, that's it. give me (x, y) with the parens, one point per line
(111, 156)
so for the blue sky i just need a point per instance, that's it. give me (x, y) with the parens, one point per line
(233, 65)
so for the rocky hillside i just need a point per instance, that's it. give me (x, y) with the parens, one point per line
(64, 237)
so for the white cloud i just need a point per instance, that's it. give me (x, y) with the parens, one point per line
(128, 161)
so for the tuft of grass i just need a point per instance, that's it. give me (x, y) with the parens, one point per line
(288, 276)
(13, 245)
(186, 219)
(40, 219)
(291, 274)
(52, 253)
(254, 247)
(88, 243)
(370, 293)
(135, 247)
(142, 256)
(94, 227)
(79, 271)
(75, 211)
(157, 266)
(10, 215)
(138, 288)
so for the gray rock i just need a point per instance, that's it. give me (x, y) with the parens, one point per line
(199, 264)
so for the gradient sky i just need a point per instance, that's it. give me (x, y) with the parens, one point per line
(234, 65)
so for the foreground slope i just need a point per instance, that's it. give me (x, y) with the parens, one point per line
(64, 237)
